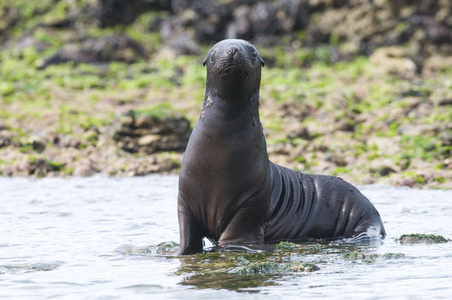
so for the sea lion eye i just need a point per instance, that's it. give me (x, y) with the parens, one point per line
(254, 55)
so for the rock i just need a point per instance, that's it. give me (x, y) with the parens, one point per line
(423, 129)
(346, 124)
(3, 125)
(445, 102)
(436, 64)
(367, 25)
(83, 169)
(408, 181)
(105, 13)
(306, 267)
(424, 109)
(255, 21)
(416, 93)
(383, 170)
(301, 132)
(393, 60)
(336, 159)
(148, 140)
(151, 164)
(39, 167)
(183, 44)
(446, 138)
(150, 134)
(30, 41)
(4, 141)
(94, 50)
(92, 135)
(386, 146)
(422, 239)
(241, 26)
(167, 164)
(436, 33)
(67, 142)
(212, 21)
(206, 19)
(37, 144)
(279, 149)
(177, 39)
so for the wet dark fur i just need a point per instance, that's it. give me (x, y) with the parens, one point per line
(232, 194)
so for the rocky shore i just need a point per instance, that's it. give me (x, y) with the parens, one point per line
(354, 88)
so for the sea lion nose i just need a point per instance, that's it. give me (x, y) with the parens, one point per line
(232, 51)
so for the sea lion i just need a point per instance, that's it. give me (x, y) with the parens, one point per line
(232, 194)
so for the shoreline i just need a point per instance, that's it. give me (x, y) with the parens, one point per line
(82, 93)
(340, 119)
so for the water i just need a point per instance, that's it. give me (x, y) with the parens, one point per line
(81, 238)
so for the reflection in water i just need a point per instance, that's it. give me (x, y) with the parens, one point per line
(246, 271)
(231, 282)
(218, 271)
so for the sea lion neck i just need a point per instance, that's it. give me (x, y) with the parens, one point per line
(216, 106)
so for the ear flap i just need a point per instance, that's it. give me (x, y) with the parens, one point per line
(262, 61)
(204, 62)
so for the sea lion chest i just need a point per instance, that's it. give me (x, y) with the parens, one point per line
(224, 169)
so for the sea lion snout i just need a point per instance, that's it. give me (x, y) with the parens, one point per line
(232, 51)
(231, 60)
(232, 56)
(238, 54)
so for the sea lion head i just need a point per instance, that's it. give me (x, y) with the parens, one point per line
(233, 69)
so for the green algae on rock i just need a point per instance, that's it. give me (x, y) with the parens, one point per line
(390, 255)
(370, 258)
(238, 270)
(417, 238)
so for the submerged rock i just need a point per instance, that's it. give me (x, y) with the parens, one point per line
(303, 267)
(370, 258)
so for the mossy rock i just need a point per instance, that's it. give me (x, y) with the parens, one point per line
(273, 267)
(370, 258)
(265, 267)
(391, 255)
(303, 267)
(284, 246)
(356, 255)
(417, 238)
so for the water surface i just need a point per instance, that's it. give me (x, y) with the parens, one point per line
(82, 237)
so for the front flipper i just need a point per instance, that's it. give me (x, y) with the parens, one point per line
(245, 232)
(190, 233)
(249, 248)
